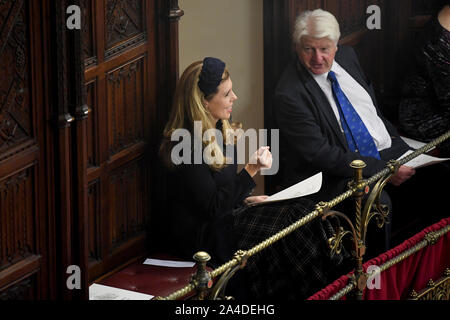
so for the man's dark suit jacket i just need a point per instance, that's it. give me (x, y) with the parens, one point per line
(310, 137)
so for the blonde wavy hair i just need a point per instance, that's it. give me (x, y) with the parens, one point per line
(188, 106)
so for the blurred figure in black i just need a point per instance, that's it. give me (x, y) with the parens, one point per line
(424, 112)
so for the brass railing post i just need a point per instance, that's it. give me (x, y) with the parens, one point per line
(358, 166)
(202, 279)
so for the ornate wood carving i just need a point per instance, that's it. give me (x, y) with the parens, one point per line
(24, 290)
(124, 25)
(125, 86)
(15, 126)
(88, 32)
(58, 177)
(24, 238)
(128, 193)
(8, 11)
(126, 45)
(16, 218)
(95, 223)
(123, 93)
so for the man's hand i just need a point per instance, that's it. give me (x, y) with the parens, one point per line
(403, 174)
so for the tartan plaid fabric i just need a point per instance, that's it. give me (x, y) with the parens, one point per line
(294, 267)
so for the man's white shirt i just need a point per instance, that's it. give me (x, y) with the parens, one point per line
(361, 101)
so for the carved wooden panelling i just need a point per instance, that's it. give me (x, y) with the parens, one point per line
(25, 239)
(125, 94)
(124, 24)
(127, 202)
(15, 125)
(92, 127)
(16, 218)
(74, 184)
(88, 34)
(95, 232)
(23, 290)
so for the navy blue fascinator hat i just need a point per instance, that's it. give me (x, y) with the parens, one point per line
(211, 75)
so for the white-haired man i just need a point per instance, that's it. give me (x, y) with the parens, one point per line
(326, 111)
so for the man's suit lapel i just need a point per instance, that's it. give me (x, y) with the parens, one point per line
(321, 101)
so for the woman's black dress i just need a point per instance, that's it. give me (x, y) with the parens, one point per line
(424, 111)
(205, 212)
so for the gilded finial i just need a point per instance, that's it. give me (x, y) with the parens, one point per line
(202, 256)
(358, 164)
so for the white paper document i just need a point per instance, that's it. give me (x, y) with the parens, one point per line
(413, 143)
(169, 263)
(422, 161)
(301, 189)
(101, 292)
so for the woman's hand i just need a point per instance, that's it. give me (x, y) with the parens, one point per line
(261, 159)
(255, 199)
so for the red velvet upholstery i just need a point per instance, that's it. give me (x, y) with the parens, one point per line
(154, 280)
(411, 273)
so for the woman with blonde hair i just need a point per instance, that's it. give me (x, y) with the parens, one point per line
(208, 200)
(204, 190)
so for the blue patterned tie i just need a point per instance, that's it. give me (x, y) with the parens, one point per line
(358, 137)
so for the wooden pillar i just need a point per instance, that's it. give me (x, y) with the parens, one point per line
(78, 107)
(63, 164)
(169, 14)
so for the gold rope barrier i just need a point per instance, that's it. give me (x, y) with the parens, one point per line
(429, 239)
(202, 280)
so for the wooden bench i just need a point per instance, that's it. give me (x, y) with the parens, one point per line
(149, 279)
